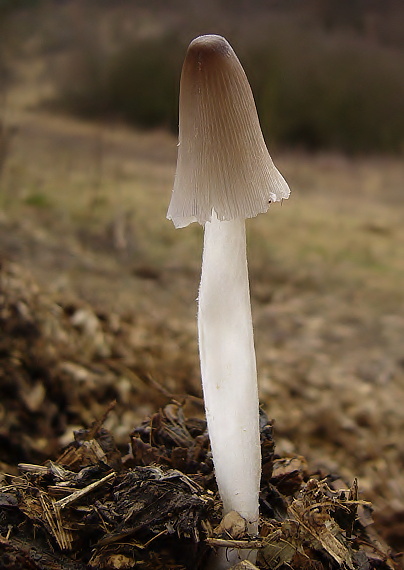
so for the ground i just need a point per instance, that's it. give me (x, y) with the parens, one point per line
(99, 300)
(326, 277)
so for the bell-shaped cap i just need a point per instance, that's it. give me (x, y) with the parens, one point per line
(223, 163)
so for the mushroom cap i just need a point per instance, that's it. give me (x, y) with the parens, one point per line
(223, 164)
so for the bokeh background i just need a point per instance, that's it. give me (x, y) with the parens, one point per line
(98, 291)
(325, 74)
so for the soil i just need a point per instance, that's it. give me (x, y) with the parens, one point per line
(93, 333)
(65, 363)
(158, 507)
(104, 455)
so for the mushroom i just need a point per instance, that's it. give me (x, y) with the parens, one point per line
(225, 175)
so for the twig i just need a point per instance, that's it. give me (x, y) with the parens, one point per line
(52, 514)
(30, 468)
(62, 503)
(239, 544)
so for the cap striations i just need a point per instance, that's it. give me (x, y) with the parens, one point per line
(223, 163)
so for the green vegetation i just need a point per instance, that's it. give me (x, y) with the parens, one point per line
(138, 83)
(312, 90)
(7, 6)
(325, 75)
(38, 200)
(329, 92)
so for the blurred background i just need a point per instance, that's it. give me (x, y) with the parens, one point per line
(98, 291)
(325, 73)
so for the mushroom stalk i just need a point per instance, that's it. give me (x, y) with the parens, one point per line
(228, 367)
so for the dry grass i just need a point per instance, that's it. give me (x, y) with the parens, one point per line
(342, 224)
(326, 277)
(340, 229)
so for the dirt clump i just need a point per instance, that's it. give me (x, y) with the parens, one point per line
(100, 509)
(62, 363)
(111, 495)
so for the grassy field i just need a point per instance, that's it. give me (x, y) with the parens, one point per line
(341, 229)
(83, 206)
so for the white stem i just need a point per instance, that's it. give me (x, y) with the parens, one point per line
(228, 367)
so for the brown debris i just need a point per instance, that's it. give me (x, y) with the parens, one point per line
(322, 528)
(120, 514)
(94, 505)
(244, 565)
(61, 364)
(288, 474)
(232, 525)
(170, 439)
(99, 512)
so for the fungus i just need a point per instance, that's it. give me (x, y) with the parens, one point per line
(225, 175)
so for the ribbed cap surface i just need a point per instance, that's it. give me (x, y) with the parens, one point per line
(223, 163)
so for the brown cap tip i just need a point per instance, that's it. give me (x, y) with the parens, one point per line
(223, 163)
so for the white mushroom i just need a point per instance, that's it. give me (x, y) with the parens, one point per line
(224, 175)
